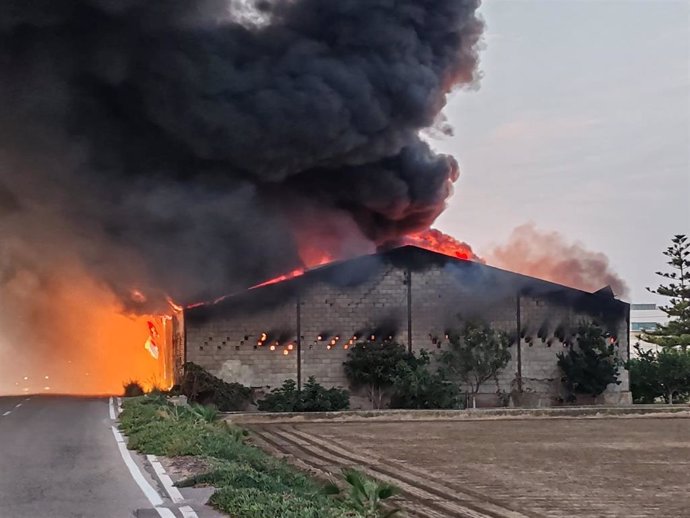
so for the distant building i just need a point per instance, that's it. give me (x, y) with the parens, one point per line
(644, 317)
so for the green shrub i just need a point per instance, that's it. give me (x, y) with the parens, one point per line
(660, 375)
(208, 414)
(200, 386)
(255, 503)
(374, 366)
(283, 399)
(415, 386)
(475, 355)
(270, 477)
(312, 398)
(158, 391)
(133, 389)
(591, 366)
(365, 496)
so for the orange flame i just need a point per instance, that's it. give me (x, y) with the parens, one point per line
(74, 336)
(312, 257)
(437, 241)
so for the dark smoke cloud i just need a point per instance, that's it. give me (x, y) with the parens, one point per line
(184, 147)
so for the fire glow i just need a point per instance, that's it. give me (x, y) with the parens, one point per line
(437, 241)
(430, 239)
(81, 338)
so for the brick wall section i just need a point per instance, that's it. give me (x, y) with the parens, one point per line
(219, 345)
(442, 299)
(377, 305)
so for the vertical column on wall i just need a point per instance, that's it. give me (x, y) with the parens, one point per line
(518, 340)
(408, 281)
(184, 340)
(627, 326)
(299, 342)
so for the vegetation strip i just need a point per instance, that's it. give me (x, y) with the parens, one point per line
(250, 483)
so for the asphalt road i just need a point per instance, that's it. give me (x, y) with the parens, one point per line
(59, 459)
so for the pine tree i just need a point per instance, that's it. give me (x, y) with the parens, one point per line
(677, 332)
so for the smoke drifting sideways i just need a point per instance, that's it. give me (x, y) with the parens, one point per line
(188, 149)
(550, 256)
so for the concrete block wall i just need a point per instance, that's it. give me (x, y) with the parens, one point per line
(378, 305)
(441, 300)
(541, 377)
(227, 346)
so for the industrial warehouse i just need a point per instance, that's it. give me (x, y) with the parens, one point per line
(304, 326)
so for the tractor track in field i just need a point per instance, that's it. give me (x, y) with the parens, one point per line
(424, 494)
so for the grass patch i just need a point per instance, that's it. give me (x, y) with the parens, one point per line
(251, 483)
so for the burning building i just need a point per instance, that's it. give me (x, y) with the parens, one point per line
(304, 325)
(138, 139)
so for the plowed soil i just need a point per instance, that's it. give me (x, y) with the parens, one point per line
(539, 467)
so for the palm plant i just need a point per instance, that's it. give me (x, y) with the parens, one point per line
(365, 495)
(208, 414)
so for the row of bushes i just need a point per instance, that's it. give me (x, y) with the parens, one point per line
(250, 483)
(203, 388)
(312, 398)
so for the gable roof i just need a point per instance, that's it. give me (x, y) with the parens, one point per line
(354, 271)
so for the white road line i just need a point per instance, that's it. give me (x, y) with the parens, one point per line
(17, 405)
(188, 512)
(111, 408)
(134, 470)
(164, 512)
(167, 482)
(7, 413)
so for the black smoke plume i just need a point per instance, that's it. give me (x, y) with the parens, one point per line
(188, 148)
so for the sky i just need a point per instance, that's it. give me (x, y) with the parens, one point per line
(580, 124)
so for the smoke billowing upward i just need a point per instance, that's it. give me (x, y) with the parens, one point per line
(548, 255)
(188, 148)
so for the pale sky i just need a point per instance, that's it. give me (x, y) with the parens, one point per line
(580, 125)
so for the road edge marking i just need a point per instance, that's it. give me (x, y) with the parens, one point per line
(151, 494)
(188, 512)
(164, 512)
(165, 479)
(111, 408)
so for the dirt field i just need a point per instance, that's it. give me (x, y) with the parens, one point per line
(601, 467)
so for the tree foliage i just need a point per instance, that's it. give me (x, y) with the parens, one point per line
(591, 365)
(475, 355)
(416, 386)
(677, 331)
(644, 377)
(663, 374)
(674, 374)
(312, 398)
(375, 366)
